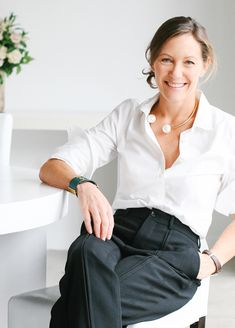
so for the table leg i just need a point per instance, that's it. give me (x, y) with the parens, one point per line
(23, 265)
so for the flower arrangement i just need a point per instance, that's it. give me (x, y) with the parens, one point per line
(13, 47)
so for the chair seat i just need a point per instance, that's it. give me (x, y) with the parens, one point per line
(32, 309)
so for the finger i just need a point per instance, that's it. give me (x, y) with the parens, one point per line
(87, 221)
(104, 226)
(96, 223)
(111, 224)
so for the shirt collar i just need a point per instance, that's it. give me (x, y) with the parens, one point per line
(204, 116)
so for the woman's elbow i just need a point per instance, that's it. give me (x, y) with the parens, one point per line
(44, 170)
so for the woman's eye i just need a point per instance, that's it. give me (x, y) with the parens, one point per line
(189, 62)
(166, 60)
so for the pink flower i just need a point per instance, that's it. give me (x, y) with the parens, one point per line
(16, 37)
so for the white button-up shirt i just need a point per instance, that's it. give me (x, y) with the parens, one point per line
(200, 180)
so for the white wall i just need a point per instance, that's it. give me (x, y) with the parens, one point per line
(89, 55)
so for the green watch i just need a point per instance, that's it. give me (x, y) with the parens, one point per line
(72, 187)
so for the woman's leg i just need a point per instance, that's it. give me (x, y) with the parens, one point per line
(158, 273)
(90, 294)
(151, 288)
(112, 283)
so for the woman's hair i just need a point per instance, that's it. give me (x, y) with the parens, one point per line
(174, 27)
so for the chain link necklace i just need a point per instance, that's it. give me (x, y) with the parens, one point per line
(167, 127)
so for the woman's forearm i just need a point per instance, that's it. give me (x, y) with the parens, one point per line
(224, 248)
(56, 173)
(94, 204)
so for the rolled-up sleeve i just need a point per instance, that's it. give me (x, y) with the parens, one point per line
(87, 150)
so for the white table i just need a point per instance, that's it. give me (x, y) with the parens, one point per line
(26, 206)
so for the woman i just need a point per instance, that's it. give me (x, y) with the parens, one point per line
(175, 166)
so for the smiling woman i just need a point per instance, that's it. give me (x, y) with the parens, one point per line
(173, 171)
(177, 70)
(176, 27)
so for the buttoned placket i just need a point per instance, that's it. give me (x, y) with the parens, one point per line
(182, 147)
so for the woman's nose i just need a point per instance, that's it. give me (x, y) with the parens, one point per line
(176, 71)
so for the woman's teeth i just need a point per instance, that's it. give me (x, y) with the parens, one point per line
(176, 85)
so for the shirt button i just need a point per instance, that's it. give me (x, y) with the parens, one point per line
(153, 214)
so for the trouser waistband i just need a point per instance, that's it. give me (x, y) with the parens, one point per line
(164, 218)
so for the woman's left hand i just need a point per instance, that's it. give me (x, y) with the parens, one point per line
(207, 266)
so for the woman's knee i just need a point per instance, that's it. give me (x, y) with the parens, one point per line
(86, 245)
(91, 248)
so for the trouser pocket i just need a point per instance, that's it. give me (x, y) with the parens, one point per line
(186, 261)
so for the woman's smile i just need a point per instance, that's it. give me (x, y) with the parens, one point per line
(174, 85)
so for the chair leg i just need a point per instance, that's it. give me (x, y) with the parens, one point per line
(199, 324)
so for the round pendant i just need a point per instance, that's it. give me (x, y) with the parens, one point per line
(166, 128)
(151, 118)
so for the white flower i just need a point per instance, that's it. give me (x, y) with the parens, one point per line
(1, 62)
(3, 52)
(1, 36)
(3, 26)
(16, 37)
(14, 57)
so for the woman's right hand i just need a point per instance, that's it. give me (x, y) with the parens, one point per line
(95, 207)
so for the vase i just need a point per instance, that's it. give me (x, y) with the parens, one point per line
(2, 97)
(6, 124)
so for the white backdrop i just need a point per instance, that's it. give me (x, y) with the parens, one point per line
(89, 53)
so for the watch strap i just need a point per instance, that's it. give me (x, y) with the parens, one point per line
(72, 187)
(214, 258)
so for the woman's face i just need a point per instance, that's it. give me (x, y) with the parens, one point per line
(178, 68)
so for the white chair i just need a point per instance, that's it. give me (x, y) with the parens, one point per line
(32, 310)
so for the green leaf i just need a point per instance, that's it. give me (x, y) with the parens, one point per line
(8, 68)
(23, 44)
(27, 59)
(18, 69)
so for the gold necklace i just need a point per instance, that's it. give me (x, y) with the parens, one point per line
(167, 127)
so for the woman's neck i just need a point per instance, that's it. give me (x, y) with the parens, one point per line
(173, 112)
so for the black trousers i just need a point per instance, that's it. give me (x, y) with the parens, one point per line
(147, 270)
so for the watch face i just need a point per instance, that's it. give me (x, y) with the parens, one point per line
(75, 181)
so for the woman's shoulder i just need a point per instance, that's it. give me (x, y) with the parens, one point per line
(128, 105)
(127, 110)
(134, 105)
